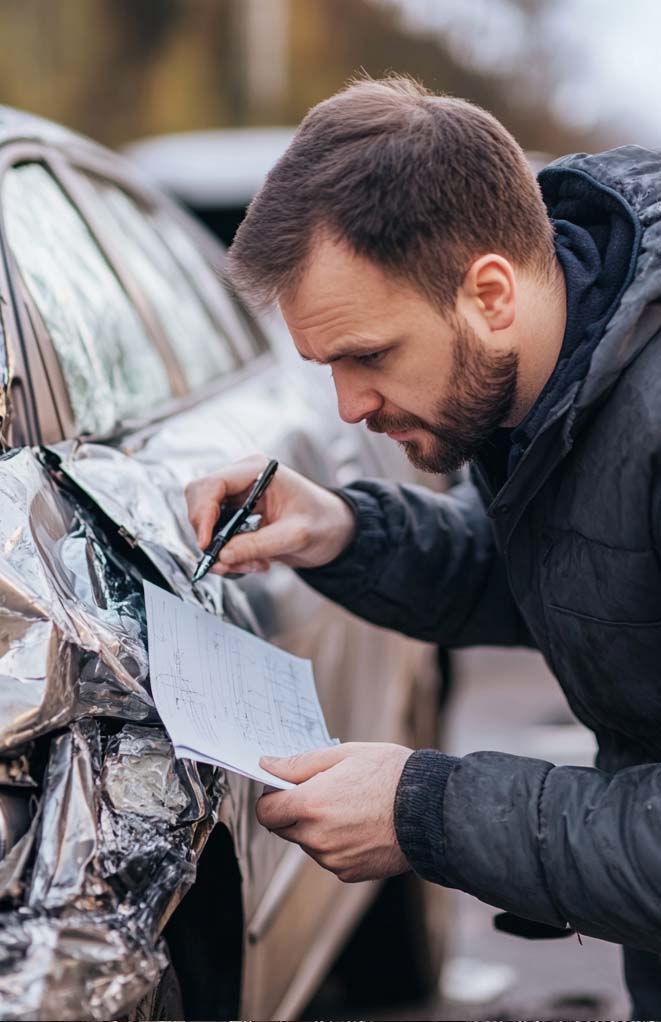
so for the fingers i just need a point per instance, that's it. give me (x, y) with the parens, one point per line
(287, 811)
(279, 539)
(279, 811)
(206, 496)
(245, 568)
(305, 765)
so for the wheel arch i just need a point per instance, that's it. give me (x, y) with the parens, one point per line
(205, 935)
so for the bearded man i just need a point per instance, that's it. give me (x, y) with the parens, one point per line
(474, 314)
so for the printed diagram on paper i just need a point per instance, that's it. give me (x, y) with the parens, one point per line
(225, 696)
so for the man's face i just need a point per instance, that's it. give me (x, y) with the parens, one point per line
(426, 380)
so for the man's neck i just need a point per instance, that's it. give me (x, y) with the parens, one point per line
(541, 323)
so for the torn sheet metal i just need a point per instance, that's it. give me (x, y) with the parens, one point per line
(120, 823)
(144, 496)
(70, 628)
(67, 841)
(13, 867)
(73, 967)
(140, 775)
(113, 849)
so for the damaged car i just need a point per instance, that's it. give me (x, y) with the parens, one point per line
(134, 884)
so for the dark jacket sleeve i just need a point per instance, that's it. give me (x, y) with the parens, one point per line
(425, 564)
(558, 845)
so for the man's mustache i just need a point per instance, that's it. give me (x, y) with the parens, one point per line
(383, 424)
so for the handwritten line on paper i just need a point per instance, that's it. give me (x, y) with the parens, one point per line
(225, 696)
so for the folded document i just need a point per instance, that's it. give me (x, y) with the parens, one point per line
(225, 696)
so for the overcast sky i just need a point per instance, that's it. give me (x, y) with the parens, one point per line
(608, 50)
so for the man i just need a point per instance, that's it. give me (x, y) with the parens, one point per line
(474, 318)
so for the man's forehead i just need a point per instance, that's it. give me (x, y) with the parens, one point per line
(334, 279)
(332, 261)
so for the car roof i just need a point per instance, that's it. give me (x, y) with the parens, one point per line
(210, 168)
(18, 124)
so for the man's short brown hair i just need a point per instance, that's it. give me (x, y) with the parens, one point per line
(418, 183)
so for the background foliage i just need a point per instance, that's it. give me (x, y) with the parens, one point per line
(121, 69)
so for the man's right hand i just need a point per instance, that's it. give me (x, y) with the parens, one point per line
(303, 524)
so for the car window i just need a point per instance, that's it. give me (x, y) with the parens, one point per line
(228, 306)
(110, 366)
(201, 347)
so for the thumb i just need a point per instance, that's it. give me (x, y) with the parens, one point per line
(304, 765)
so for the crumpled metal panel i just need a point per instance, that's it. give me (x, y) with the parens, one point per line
(67, 840)
(70, 639)
(134, 500)
(142, 491)
(14, 866)
(73, 967)
(121, 823)
(109, 861)
(140, 776)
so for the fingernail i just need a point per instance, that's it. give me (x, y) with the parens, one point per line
(228, 556)
(267, 760)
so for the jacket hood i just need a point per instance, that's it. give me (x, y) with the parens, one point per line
(623, 184)
(627, 182)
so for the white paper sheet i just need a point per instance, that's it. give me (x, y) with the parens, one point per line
(225, 696)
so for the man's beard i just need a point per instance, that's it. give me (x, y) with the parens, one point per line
(481, 393)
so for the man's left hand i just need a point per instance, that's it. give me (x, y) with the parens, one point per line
(342, 810)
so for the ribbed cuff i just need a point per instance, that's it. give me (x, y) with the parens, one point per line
(419, 811)
(354, 570)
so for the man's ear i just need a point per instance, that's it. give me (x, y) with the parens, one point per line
(488, 292)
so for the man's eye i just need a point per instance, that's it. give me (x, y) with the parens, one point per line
(372, 359)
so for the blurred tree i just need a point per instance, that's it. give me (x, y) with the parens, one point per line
(331, 39)
(119, 69)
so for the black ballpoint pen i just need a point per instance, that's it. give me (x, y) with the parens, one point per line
(224, 535)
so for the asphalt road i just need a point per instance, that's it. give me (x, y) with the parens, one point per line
(508, 701)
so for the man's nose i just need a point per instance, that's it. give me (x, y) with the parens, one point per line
(355, 401)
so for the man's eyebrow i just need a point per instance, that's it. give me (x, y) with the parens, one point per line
(324, 361)
(348, 352)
